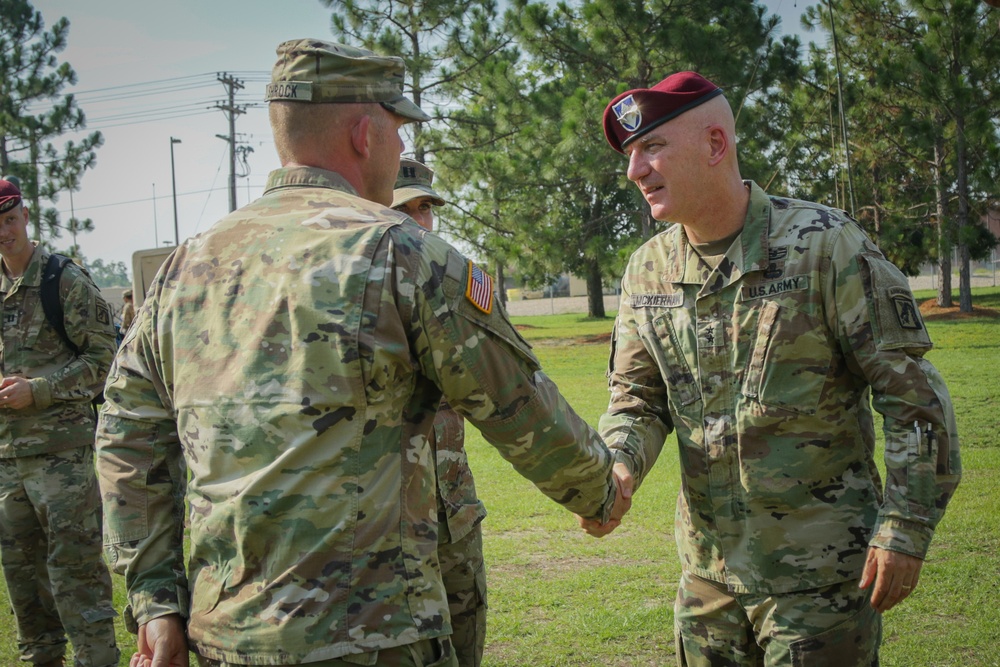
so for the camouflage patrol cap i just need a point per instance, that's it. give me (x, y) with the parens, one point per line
(414, 181)
(635, 112)
(311, 70)
(10, 196)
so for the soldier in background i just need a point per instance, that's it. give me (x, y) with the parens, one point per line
(128, 310)
(50, 510)
(460, 512)
(285, 371)
(758, 328)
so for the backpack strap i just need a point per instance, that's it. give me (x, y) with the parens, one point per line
(52, 305)
(51, 300)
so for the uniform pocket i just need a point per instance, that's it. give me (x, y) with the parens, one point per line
(789, 360)
(496, 321)
(443, 654)
(853, 643)
(665, 346)
(98, 614)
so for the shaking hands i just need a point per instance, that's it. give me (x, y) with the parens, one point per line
(623, 501)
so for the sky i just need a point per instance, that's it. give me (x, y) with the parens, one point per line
(147, 72)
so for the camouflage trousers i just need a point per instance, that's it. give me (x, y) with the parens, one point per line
(437, 652)
(832, 626)
(50, 549)
(464, 573)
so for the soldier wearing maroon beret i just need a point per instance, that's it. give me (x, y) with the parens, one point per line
(761, 329)
(50, 507)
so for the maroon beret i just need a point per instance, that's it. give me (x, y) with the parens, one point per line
(10, 196)
(636, 112)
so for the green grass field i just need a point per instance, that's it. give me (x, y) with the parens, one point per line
(559, 598)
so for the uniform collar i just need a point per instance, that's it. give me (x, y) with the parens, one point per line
(314, 177)
(756, 230)
(32, 276)
(748, 253)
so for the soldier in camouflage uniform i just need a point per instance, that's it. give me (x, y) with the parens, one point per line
(758, 329)
(283, 377)
(460, 512)
(128, 309)
(50, 511)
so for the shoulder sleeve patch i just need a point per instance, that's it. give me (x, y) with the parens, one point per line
(103, 313)
(896, 318)
(479, 289)
(906, 309)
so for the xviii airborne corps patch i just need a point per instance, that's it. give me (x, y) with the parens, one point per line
(906, 311)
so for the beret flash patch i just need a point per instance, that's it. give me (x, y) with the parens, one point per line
(628, 114)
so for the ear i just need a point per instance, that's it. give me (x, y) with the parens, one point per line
(718, 144)
(360, 136)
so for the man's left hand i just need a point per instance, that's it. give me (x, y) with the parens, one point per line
(894, 574)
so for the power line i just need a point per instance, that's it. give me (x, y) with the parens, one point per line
(135, 103)
(153, 199)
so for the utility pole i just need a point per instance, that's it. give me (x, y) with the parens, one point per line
(173, 181)
(840, 98)
(232, 84)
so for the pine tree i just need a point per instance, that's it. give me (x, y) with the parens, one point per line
(924, 77)
(34, 112)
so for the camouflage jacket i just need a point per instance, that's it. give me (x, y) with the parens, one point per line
(62, 383)
(288, 364)
(460, 506)
(766, 367)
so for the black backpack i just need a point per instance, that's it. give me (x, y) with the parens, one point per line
(52, 305)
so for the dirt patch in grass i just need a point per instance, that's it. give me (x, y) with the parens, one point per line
(931, 311)
(595, 339)
(541, 563)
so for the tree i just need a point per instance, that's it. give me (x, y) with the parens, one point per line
(112, 274)
(426, 34)
(595, 49)
(924, 125)
(478, 159)
(446, 47)
(33, 112)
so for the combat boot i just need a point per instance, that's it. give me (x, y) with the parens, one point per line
(58, 662)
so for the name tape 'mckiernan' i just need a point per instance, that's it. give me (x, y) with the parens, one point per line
(674, 300)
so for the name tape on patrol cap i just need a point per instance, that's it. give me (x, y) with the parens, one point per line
(300, 91)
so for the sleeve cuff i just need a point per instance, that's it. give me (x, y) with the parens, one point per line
(143, 609)
(622, 456)
(903, 536)
(41, 392)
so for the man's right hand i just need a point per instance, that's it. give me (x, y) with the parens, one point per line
(623, 502)
(162, 643)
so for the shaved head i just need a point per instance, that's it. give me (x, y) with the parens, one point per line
(300, 128)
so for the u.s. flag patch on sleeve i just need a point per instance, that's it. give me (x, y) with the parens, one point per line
(480, 289)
